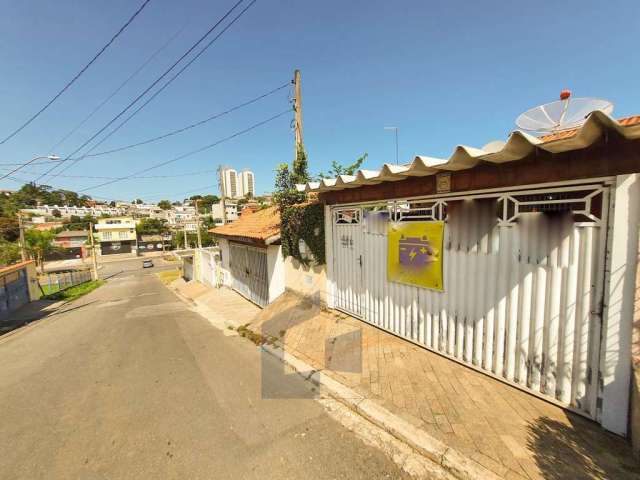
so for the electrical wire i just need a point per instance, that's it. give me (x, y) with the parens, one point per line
(120, 87)
(146, 90)
(157, 92)
(78, 75)
(188, 127)
(188, 154)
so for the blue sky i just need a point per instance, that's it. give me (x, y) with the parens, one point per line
(445, 73)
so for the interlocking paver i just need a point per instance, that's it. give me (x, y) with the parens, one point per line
(508, 431)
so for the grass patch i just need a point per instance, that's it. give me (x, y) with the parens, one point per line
(76, 291)
(168, 276)
(254, 337)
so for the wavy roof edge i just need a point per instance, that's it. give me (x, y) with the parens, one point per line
(518, 146)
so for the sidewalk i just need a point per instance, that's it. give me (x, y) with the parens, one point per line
(508, 431)
(501, 429)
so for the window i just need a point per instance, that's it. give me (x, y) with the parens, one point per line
(106, 235)
(122, 235)
(347, 216)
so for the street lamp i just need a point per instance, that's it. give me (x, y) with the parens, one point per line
(50, 157)
(396, 130)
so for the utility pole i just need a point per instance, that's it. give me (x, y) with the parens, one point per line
(297, 108)
(198, 225)
(94, 258)
(224, 210)
(184, 232)
(23, 246)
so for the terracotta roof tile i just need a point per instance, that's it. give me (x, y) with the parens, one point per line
(258, 225)
(625, 122)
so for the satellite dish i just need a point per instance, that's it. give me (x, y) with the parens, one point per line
(563, 114)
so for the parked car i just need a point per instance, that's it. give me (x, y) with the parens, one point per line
(147, 263)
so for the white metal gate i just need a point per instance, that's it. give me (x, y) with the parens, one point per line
(347, 260)
(523, 287)
(248, 267)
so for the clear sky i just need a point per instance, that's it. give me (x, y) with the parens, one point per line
(445, 73)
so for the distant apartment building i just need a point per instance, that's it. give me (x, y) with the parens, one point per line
(116, 235)
(231, 210)
(236, 185)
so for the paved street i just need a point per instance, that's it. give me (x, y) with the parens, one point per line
(129, 383)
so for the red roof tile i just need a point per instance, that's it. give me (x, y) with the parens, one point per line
(625, 122)
(256, 225)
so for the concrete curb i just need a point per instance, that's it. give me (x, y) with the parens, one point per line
(458, 465)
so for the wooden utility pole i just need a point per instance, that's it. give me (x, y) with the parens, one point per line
(198, 225)
(94, 257)
(23, 245)
(297, 108)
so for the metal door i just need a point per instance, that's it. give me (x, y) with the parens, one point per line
(249, 271)
(523, 289)
(347, 260)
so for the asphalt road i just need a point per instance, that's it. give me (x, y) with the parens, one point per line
(130, 383)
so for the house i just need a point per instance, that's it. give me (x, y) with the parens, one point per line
(116, 235)
(251, 255)
(231, 209)
(72, 243)
(518, 260)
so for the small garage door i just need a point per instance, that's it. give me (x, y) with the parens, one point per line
(249, 271)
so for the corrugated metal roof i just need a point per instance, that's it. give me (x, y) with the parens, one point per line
(518, 146)
(257, 225)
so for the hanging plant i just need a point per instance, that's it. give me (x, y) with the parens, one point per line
(302, 233)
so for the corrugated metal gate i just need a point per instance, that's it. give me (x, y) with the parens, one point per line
(248, 267)
(523, 288)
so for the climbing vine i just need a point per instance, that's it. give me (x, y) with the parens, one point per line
(303, 222)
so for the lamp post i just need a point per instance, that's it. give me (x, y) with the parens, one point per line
(396, 130)
(50, 157)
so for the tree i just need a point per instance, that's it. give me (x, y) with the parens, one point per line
(9, 229)
(112, 204)
(338, 169)
(138, 201)
(78, 223)
(286, 193)
(164, 204)
(151, 226)
(56, 213)
(39, 243)
(300, 170)
(9, 252)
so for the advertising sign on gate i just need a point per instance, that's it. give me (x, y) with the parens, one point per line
(414, 254)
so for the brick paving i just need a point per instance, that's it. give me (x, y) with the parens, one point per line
(512, 433)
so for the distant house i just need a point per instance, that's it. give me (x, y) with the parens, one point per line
(116, 235)
(251, 255)
(71, 244)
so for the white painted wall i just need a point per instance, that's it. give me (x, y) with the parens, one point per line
(310, 282)
(619, 304)
(275, 269)
(225, 253)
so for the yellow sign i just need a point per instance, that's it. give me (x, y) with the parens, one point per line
(414, 254)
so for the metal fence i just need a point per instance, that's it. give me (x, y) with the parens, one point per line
(54, 282)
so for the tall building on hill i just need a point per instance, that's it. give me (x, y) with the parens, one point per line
(247, 183)
(235, 185)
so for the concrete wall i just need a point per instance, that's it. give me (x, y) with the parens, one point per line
(634, 421)
(32, 277)
(276, 271)
(310, 282)
(225, 253)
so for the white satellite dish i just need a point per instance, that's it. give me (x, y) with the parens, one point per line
(563, 114)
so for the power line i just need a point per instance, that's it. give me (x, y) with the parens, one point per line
(120, 87)
(72, 81)
(99, 177)
(188, 154)
(188, 127)
(166, 84)
(153, 84)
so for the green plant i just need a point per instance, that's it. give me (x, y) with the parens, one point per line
(39, 243)
(338, 169)
(76, 291)
(303, 222)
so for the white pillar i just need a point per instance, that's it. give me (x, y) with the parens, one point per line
(615, 358)
(328, 247)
